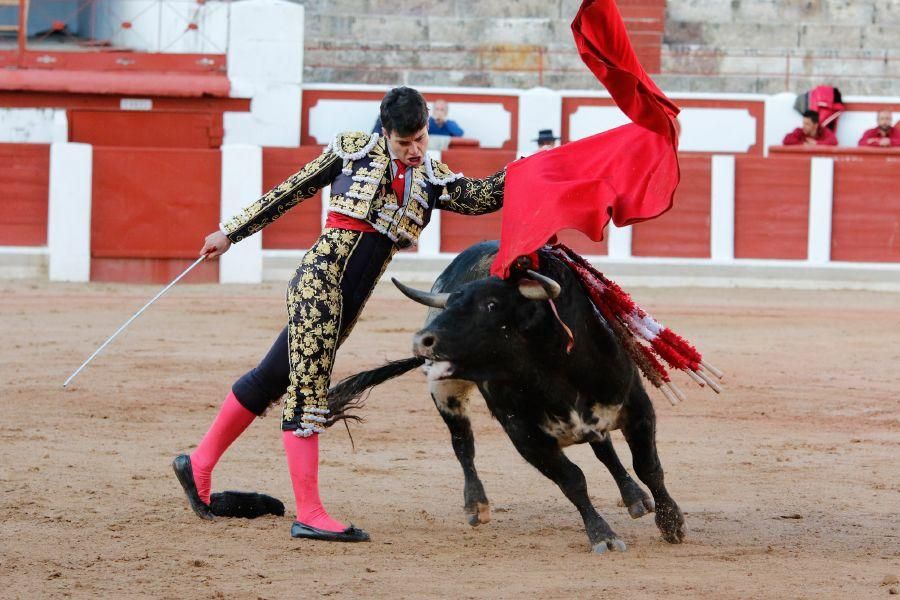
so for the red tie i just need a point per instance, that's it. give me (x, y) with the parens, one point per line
(399, 181)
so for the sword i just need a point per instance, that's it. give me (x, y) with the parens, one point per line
(133, 317)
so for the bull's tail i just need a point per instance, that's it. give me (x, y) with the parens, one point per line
(347, 395)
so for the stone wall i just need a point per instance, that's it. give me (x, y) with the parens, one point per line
(764, 46)
(771, 46)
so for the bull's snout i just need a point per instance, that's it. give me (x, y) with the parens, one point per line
(423, 344)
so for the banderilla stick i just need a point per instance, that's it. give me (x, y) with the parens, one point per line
(133, 317)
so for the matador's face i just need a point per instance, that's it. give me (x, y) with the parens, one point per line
(410, 149)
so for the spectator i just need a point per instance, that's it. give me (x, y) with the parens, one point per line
(810, 134)
(546, 140)
(882, 136)
(439, 124)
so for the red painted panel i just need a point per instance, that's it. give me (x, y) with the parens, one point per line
(162, 63)
(140, 84)
(146, 129)
(458, 232)
(93, 101)
(684, 230)
(312, 97)
(24, 188)
(771, 207)
(153, 204)
(865, 222)
(301, 226)
(152, 270)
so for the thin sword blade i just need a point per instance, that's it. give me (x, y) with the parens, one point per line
(133, 317)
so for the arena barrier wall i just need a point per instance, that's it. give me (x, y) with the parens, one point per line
(742, 201)
(24, 187)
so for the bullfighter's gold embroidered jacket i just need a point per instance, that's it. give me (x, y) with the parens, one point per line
(356, 165)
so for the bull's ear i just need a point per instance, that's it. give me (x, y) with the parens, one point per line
(538, 287)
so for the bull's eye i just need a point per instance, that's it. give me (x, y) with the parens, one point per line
(491, 306)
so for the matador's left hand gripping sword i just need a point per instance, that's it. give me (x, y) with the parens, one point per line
(133, 317)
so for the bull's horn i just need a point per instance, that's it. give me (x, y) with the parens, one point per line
(426, 298)
(547, 289)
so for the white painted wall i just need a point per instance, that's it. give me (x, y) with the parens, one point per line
(702, 129)
(781, 119)
(539, 108)
(33, 125)
(721, 213)
(821, 202)
(489, 123)
(265, 63)
(241, 185)
(69, 212)
(159, 25)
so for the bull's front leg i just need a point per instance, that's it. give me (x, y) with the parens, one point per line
(545, 454)
(452, 400)
(639, 427)
(635, 499)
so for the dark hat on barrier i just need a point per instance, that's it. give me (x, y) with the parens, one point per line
(545, 136)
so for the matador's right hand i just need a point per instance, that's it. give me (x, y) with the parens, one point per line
(215, 245)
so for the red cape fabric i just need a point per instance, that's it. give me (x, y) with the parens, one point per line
(628, 174)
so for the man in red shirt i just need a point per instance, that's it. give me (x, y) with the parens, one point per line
(883, 136)
(810, 134)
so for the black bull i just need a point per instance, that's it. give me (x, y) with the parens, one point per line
(503, 337)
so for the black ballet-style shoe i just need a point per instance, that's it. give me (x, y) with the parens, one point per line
(351, 534)
(185, 475)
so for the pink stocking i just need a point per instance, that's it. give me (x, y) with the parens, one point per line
(303, 464)
(230, 423)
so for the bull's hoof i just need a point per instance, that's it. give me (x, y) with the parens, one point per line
(641, 508)
(612, 544)
(671, 523)
(480, 515)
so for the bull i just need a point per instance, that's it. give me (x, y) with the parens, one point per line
(503, 337)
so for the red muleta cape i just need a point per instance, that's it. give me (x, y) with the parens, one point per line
(628, 173)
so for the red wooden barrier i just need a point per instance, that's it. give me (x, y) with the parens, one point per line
(458, 232)
(301, 226)
(185, 129)
(865, 222)
(24, 188)
(684, 230)
(151, 209)
(771, 207)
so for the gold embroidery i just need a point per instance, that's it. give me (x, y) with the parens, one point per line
(475, 196)
(315, 307)
(299, 186)
(352, 142)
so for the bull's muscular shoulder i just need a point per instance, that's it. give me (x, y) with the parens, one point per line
(353, 145)
(438, 173)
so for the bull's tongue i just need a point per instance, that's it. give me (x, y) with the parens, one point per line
(440, 370)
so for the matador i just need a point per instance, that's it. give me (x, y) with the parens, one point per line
(383, 191)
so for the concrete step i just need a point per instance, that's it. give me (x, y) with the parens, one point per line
(422, 272)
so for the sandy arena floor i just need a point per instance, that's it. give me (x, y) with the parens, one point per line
(789, 481)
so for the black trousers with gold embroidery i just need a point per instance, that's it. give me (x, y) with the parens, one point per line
(324, 299)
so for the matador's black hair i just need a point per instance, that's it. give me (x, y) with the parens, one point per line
(811, 115)
(403, 111)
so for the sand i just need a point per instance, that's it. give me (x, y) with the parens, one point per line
(790, 480)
